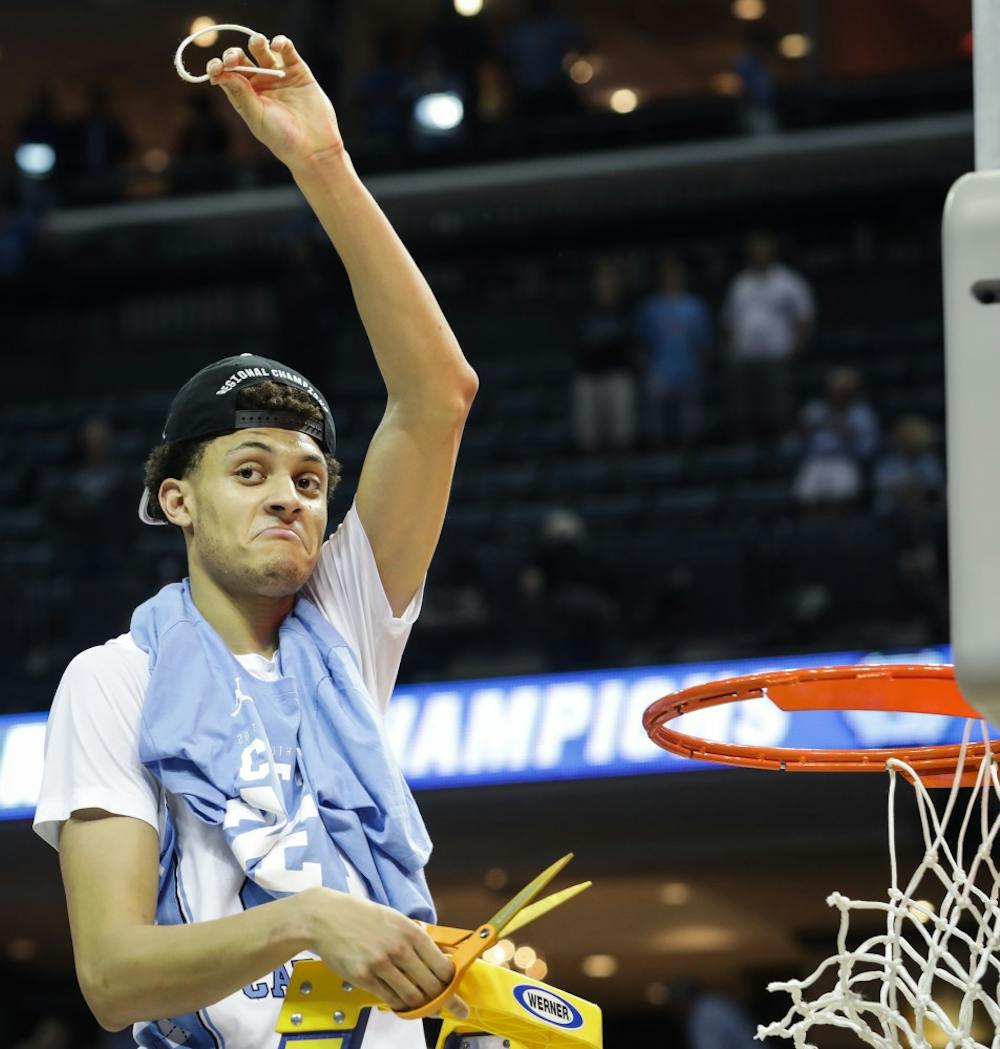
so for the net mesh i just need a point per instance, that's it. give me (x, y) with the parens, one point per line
(932, 977)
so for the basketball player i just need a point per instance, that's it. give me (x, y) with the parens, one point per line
(216, 780)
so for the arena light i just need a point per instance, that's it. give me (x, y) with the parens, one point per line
(156, 160)
(674, 893)
(22, 949)
(439, 111)
(795, 45)
(727, 83)
(496, 878)
(599, 966)
(694, 938)
(468, 8)
(203, 22)
(21, 748)
(581, 71)
(506, 948)
(749, 10)
(624, 100)
(35, 159)
(922, 911)
(657, 993)
(538, 970)
(525, 957)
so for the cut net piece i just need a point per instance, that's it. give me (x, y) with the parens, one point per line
(932, 977)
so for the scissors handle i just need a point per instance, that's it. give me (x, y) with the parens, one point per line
(462, 954)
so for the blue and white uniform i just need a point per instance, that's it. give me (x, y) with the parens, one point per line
(92, 761)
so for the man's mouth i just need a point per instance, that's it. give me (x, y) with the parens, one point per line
(280, 532)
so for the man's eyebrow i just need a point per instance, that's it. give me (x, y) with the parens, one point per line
(311, 457)
(250, 444)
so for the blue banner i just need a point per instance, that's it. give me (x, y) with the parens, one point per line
(583, 725)
(565, 726)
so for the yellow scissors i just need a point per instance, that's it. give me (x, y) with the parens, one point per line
(464, 946)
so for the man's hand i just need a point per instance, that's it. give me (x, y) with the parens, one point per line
(378, 949)
(291, 115)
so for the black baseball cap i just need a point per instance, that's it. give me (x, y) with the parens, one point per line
(205, 406)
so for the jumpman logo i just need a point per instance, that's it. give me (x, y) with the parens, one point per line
(241, 698)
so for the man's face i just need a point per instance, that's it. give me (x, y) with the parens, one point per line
(257, 502)
(761, 252)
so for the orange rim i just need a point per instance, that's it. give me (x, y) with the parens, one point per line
(909, 688)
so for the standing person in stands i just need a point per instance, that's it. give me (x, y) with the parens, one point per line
(535, 48)
(676, 334)
(604, 411)
(767, 319)
(202, 149)
(840, 435)
(217, 780)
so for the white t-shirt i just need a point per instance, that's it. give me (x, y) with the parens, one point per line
(92, 761)
(762, 311)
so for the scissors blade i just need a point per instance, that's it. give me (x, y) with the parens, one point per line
(527, 894)
(540, 907)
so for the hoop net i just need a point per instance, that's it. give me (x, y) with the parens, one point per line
(931, 977)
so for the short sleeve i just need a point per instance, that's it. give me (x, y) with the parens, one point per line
(92, 742)
(347, 589)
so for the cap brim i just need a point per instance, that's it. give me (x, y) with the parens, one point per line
(144, 514)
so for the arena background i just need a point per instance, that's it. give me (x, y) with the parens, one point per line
(143, 233)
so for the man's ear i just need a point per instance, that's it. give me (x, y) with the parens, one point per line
(175, 497)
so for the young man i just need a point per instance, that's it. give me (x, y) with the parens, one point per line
(216, 780)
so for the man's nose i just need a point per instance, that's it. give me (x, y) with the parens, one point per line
(285, 498)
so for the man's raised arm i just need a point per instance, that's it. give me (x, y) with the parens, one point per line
(406, 479)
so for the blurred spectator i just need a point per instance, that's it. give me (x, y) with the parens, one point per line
(40, 123)
(716, 1021)
(493, 92)
(712, 1020)
(604, 402)
(535, 49)
(381, 91)
(97, 143)
(565, 607)
(88, 508)
(910, 476)
(757, 96)
(49, 1034)
(840, 434)
(464, 47)
(767, 318)
(676, 333)
(17, 232)
(202, 147)
(909, 492)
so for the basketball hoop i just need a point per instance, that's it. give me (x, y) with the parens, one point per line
(903, 688)
(932, 976)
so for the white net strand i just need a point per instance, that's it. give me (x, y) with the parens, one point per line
(885, 987)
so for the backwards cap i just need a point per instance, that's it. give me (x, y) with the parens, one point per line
(205, 406)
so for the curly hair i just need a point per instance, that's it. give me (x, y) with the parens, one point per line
(179, 458)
